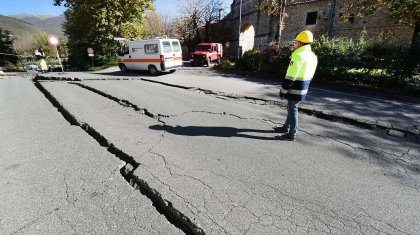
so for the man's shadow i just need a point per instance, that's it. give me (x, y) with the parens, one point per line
(215, 131)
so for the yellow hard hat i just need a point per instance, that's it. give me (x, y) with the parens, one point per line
(305, 37)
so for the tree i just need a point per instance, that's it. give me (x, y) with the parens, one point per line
(211, 14)
(6, 48)
(405, 11)
(134, 31)
(185, 32)
(95, 23)
(274, 8)
(159, 24)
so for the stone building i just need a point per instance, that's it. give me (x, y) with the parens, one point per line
(322, 17)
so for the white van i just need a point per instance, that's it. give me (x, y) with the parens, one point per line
(154, 55)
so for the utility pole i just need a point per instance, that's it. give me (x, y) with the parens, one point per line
(239, 29)
(281, 17)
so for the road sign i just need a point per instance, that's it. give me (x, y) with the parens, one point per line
(91, 54)
(53, 40)
(90, 50)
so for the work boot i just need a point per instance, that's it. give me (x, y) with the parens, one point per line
(287, 137)
(280, 129)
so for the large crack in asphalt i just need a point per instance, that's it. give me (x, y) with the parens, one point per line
(389, 129)
(163, 206)
(365, 124)
(415, 168)
(127, 170)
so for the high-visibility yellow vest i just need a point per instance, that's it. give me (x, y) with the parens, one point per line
(41, 61)
(301, 70)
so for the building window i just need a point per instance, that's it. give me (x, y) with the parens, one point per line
(311, 18)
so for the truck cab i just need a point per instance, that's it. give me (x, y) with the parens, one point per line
(205, 53)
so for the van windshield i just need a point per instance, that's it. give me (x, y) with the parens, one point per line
(167, 47)
(203, 48)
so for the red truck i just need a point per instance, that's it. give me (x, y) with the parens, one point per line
(205, 53)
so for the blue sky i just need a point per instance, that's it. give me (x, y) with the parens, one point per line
(46, 7)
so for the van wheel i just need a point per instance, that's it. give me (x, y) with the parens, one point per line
(123, 68)
(153, 70)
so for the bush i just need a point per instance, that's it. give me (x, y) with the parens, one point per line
(372, 63)
(103, 62)
(250, 62)
(274, 59)
(224, 64)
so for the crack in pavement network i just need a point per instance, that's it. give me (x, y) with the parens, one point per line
(330, 116)
(35, 220)
(407, 134)
(164, 207)
(143, 186)
(306, 208)
(381, 156)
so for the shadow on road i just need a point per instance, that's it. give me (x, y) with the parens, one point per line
(215, 131)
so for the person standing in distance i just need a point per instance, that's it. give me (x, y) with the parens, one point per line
(301, 70)
(40, 56)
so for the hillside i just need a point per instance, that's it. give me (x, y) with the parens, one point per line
(17, 27)
(27, 36)
(48, 23)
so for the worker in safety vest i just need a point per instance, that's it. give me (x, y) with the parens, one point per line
(40, 56)
(296, 83)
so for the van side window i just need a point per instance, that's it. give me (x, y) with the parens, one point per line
(167, 47)
(176, 47)
(151, 48)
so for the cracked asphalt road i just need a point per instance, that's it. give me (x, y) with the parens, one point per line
(212, 165)
(55, 179)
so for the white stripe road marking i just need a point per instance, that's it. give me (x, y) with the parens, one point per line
(366, 97)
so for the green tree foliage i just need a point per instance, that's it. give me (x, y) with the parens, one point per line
(134, 31)
(95, 23)
(6, 47)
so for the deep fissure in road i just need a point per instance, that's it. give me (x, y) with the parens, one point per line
(406, 134)
(390, 130)
(164, 207)
(145, 111)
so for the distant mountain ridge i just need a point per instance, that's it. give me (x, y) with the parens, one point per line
(49, 23)
(28, 36)
(17, 26)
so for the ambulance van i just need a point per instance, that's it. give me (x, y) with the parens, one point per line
(153, 55)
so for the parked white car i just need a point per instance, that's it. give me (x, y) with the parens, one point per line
(32, 67)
